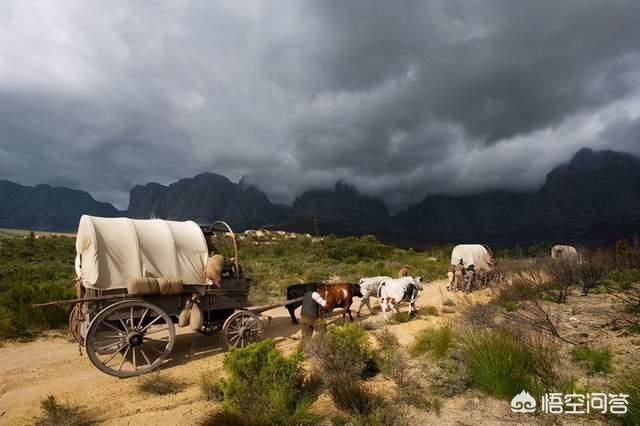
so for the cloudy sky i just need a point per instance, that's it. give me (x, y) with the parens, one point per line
(400, 98)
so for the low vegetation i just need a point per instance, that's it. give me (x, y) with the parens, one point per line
(503, 364)
(34, 271)
(264, 387)
(597, 360)
(629, 384)
(433, 341)
(157, 383)
(56, 413)
(211, 386)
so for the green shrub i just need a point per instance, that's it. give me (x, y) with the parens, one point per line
(55, 413)
(634, 328)
(435, 342)
(503, 365)
(264, 387)
(347, 346)
(449, 377)
(629, 384)
(597, 360)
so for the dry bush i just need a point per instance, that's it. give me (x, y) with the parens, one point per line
(480, 315)
(449, 376)
(55, 413)
(592, 268)
(157, 384)
(393, 363)
(342, 357)
(211, 387)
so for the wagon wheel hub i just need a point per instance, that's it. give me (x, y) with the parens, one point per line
(135, 339)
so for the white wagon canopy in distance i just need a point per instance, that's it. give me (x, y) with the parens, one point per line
(478, 255)
(134, 337)
(563, 252)
(112, 250)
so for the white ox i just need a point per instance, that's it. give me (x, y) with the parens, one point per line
(393, 291)
(369, 287)
(478, 255)
(560, 252)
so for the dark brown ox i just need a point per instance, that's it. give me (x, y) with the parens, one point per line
(339, 296)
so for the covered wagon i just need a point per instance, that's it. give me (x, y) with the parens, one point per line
(137, 278)
(477, 258)
(564, 252)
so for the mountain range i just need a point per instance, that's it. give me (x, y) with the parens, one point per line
(593, 198)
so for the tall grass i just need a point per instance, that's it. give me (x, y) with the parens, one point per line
(629, 384)
(504, 365)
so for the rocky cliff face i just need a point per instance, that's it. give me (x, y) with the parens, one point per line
(342, 210)
(47, 208)
(204, 198)
(593, 197)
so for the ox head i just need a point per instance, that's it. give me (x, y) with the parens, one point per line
(417, 281)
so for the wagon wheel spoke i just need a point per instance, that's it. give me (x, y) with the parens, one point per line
(133, 357)
(154, 349)
(115, 328)
(156, 331)
(124, 357)
(126, 329)
(150, 324)
(144, 314)
(113, 355)
(146, 358)
(108, 346)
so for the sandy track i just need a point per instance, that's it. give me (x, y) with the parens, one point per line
(53, 365)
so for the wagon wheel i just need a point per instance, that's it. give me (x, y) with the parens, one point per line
(241, 328)
(76, 318)
(130, 338)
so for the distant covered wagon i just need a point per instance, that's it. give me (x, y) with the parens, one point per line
(476, 259)
(564, 252)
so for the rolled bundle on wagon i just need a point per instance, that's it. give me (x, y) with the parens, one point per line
(136, 277)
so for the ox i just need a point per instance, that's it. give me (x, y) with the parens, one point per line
(396, 290)
(339, 296)
(336, 296)
(369, 287)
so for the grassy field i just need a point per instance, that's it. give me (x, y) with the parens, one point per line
(39, 268)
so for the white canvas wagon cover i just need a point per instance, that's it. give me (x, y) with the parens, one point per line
(476, 254)
(111, 250)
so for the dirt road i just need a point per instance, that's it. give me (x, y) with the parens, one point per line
(53, 365)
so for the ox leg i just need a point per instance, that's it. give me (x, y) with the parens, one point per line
(348, 308)
(368, 302)
(291, 309)
(363, 300)
(383, 305)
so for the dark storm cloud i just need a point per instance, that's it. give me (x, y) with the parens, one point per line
(402, 99)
